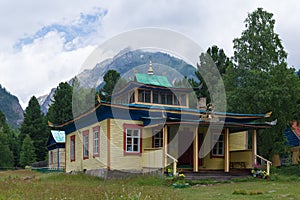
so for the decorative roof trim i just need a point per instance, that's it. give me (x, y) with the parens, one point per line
(167, 109)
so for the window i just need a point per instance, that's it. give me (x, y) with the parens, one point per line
(96, 139)
(163, 98)
(157, 138)
(218, 141)
(169, 98)
(132, 139)
(155, 97)
(85, 135)
(144, 96)
(147, 96)
(72, 148)
(176, 102)
(51, 157)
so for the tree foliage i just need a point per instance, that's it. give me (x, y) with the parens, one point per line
(260, 81)
(35, 127)
(83, 99)
(110, 78)
(212, 65)
(9, 105)
(259, 47)
(27, 154)
(61, 108)
(8, 144)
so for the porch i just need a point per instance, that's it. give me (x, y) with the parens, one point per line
(185, 150)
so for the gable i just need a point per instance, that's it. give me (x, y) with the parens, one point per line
(58, 136)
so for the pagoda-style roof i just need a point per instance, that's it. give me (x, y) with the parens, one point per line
(150, 79)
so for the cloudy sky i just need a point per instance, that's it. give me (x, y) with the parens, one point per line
(45, 42)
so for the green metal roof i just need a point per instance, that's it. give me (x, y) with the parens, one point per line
(153, 80)
(59, 136)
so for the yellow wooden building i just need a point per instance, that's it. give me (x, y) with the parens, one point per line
(149, 126)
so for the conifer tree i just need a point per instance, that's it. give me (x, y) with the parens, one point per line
(35, 126)
(8, 147)
(61, 108)
(110, 78)
(27, 154)
(212, 63)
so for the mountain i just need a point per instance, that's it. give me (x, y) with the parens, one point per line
(124, 62)
(11, 108)
(45, 100)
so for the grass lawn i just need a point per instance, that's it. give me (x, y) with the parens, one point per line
(24, 184)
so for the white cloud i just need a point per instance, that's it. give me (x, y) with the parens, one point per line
(206, 22)
(55, 55)
(39, 66)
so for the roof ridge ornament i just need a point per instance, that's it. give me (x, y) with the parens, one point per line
(150, 70)
(268, 114)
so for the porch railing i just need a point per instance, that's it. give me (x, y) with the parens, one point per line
(153, 158)
(262, 161)
(175, 161)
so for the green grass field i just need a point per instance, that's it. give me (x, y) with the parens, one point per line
(24, 184)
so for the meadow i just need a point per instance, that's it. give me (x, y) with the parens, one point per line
(26, 184)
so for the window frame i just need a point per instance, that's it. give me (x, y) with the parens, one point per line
(132, 127)
(96, 129)
(51, 157)
(154, 133)
(156, 99)
(72, 149)
(85, 142)
(217, 144)
(144, 95)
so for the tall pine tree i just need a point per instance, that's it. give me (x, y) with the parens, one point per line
(7, 144)
(110, 78)
(214, 57)
(61, 108)
(35, 126)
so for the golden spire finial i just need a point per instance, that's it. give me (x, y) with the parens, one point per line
(150, 70)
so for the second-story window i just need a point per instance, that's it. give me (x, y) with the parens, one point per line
(144, 96)
(155, 97)
(169, 98)
(160, 97)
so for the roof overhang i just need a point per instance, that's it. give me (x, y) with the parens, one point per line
(158, 115)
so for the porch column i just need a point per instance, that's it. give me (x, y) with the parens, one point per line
(226, 153)
(165, 144)
(195, 150)
(254, 146)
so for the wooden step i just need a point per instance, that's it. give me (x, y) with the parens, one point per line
(216, 175)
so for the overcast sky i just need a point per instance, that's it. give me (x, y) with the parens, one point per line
(45, 42)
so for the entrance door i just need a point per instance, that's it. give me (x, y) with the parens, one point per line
(185, 147)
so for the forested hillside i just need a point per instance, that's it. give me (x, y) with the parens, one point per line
(9, 105)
